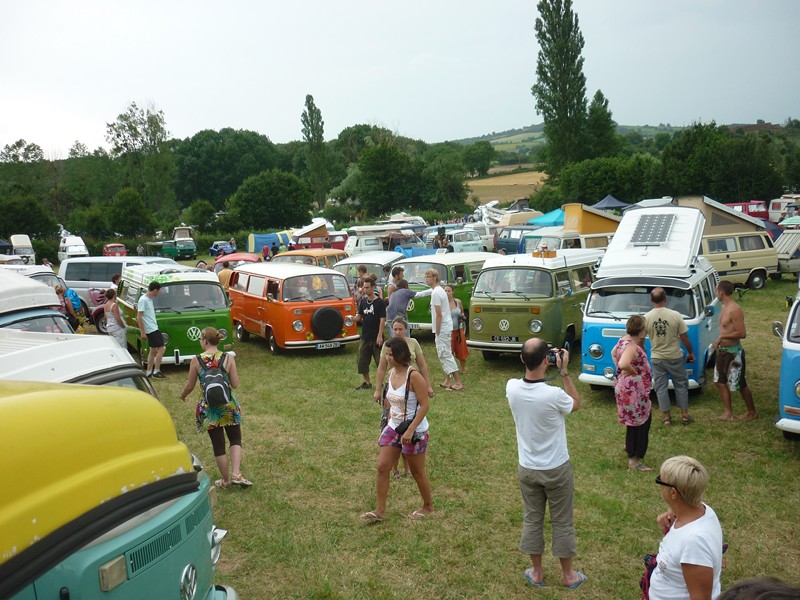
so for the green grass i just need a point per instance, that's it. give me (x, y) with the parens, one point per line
(310, 446)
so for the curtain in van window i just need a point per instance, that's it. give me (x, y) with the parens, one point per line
(751, 242)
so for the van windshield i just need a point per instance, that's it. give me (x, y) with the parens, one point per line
(190, 295)
(793, 327)
(351, 271)
(510, 280)
(622, 302)
(305, 288)
(415, 272)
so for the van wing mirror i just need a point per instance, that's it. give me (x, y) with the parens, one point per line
(459, 280)
(777, 329)
(709, 311)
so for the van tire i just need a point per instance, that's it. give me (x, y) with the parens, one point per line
(274, 348)
(569, 340)
(791, 436)
(100, 324)
(490, 356)
(327, 323)
(757, 280)
(242, 335)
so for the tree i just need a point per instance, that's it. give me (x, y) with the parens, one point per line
(601, 134)
(560, 88)
(443, 178)
(91, 221)
(25, 214)
(78, 150)
(271, 200)
(387, 180)
(316, 162)
(478, 157)
(22, 152)
(200, 214)
(129, 215)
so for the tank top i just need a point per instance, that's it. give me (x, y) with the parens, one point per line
(399, 410)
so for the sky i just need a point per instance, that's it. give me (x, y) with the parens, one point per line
(434, 70)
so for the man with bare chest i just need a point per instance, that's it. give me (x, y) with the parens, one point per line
(729, 371)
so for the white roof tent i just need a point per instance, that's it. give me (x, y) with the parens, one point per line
(18, 292)
(664, 241)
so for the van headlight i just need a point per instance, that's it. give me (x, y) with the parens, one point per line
(223, 334)
(797, 389)
(216, 536)
(297, 325)
(477, 324)
(535, 326)
(596, 351)
(166, 338)
(348, 320)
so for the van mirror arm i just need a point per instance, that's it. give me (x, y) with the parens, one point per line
(777, 329)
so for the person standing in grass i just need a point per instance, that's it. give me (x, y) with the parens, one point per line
(458, 337)
(632, 390)
(729, 370)
(148, 326)
(545, 471)
(442, 325)
(218, 421)
(667, 330)
(371, 314)
(407, 400)
(689, 561)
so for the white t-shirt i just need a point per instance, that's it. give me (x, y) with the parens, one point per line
(439, 298)
(696, 543)
(539, 411)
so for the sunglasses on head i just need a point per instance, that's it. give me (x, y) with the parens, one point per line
(660, 481)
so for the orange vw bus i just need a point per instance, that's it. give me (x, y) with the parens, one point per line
(292, 306)
(321, 257)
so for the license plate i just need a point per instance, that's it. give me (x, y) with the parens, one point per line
(505, 338)
(328, 345)
(414, 326)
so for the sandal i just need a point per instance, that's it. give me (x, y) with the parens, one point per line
(240, 480)
(222, 484)
(686, 420)
(666, 421)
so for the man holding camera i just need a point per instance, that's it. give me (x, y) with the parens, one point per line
(545, 471)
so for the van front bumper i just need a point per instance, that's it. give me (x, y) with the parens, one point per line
(222, 592)
(495, 346)
(602, 380)
(789, 425)
(313, 343)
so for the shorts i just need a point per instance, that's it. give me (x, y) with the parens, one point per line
(389, 437)
(368, 350)
(155, 339)
(730, 368)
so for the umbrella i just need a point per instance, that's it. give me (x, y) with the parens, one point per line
(609, 203)
(790, 222)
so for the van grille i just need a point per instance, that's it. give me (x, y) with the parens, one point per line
(509, 309)
(194, 519)
(151, 551)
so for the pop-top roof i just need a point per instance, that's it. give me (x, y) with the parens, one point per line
(563, 258)
(144, 274)
(660, 241)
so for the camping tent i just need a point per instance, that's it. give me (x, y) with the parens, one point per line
(5, 247)
(551, 219)
(610, 203)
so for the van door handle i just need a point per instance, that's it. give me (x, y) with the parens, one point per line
(733, 263)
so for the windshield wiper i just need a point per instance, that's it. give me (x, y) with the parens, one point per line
(328, 296)
(299, 298)
(199, 307)
(492, 298)
(604, 312)
(518, 293)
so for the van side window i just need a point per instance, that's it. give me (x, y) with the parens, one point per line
(272, 289)
(474, 270)
(721, 245)
(458, 271)
(255, 286)
(573, 243)
(240, 282)
(596, 242)
(582, 278)
(562, 281)
(751, 242)
(130, 293)
(371, 242)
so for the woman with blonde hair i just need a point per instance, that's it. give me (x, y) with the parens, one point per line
(689, 560)
(222, 420)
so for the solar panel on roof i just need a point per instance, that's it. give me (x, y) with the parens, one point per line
(652, 230)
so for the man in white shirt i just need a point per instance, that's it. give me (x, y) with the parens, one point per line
(545, 471)
(442, 324)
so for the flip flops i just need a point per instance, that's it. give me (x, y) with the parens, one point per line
(581, 580)
(455, 389)
(529, 578)
(418, 515)
(370, 518)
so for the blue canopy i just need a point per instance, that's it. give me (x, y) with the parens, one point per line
(551, 219)
(609, 203)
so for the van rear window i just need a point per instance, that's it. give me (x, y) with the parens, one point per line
(752, 242)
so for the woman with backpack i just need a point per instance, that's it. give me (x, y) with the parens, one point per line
(218, 411)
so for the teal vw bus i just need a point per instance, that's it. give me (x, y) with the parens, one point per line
(459, 269)
(521, 296)
(190, 300)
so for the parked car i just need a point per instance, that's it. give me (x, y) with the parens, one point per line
(293, 306)
(115, 250)
(236, 259)
(71, 246)
(221, 247)
(487, 233)
(321, 257)
(508, 238)
(465, 240)
(379, 262)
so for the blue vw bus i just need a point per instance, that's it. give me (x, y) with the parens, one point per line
(789, 388)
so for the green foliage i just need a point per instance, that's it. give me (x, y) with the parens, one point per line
(339, 214)
(443, 179)
(22, 151)
(628, 179)
(478, 158)
(91, 221)
(549, 197)
(316, 161)
(272, 199)
(560, 88)
(601, 136)
(25, 214)
(387, 180)
(201, 214)
(212, 164)
(129, 215)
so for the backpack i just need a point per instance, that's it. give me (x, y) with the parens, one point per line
(216, 389)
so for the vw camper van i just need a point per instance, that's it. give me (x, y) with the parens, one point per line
(584, 227)
(653, 247)
(293, 306)
(23, 248)
(190, 299)
(107, 505)
(369, 238)
(29, 305)
(320, 257)
(459, 269)
(789, 387)
(380, 263)
(71, 246)
(522, 296)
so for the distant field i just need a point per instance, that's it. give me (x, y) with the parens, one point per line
(512, 143)
(506, 188)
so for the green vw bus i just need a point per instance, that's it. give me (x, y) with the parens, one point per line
(190, 300)
(521, 296)
(459, 269)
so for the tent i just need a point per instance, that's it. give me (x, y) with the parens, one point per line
(5, 247)
(551, 219)
(610, 203)
(790, 222)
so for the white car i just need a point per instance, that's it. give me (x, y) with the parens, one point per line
(465, 240)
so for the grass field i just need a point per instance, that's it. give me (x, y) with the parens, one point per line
(506, 188)
(310, 446)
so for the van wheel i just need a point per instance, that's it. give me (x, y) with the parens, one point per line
(242, 334)
(273, 343)
(569, 341)
(791, 436)
(101, 324)
(490, 356)
(757, 280)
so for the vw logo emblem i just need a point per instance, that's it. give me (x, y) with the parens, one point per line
(193, 333)
(189, 582)
(504, 325)
(410, 305)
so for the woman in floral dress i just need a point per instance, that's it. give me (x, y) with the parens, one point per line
(632, 390)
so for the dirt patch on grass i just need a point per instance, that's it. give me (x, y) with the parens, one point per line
(507, 188)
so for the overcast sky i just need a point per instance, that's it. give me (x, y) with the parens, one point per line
(434, 70)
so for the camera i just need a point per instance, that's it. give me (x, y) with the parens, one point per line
(553, 354)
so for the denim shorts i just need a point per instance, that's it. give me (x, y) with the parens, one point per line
(389, 437)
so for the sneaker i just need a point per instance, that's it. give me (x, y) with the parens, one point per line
(158, 375)
(363, 386)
